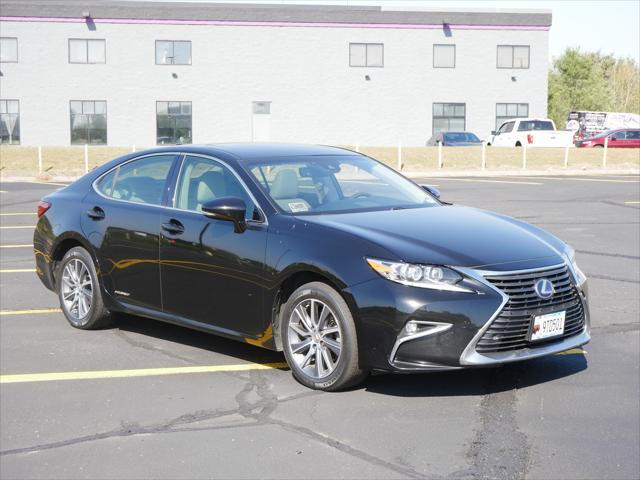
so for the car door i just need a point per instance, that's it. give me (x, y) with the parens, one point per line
(632, 139)
(211, 274)
(618, 139)
(121, 218)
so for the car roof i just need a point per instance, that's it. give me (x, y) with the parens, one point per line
(249, 151)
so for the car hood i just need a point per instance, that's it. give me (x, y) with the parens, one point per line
(456, 236)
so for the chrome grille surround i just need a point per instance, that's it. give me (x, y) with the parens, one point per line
(519, 305)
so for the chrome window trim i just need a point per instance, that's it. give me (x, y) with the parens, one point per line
(470, 357)
(181, 156)
(438, 327)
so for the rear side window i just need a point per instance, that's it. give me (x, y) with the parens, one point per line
(139, 181)
(529, 125)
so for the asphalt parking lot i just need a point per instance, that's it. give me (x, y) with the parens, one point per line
(129, 402)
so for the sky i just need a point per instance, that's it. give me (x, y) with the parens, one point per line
(612, 27)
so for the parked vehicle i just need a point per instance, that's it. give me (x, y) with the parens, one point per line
(624, 138)
(590, 124)
(323, 253)
(532, 132)
(455, 139)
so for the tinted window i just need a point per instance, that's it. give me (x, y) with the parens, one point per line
(202, 180)
(10, 122)
(173, 121)
(534, 125)
(88, 122)
(318, 184)
(140, 181)
(506, 128)
(460, 137)
(633, 134)
(619, 135)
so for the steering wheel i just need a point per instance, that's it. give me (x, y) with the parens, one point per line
(361, 195)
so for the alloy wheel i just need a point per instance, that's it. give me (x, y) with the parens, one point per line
(315, 338)
(77, 290)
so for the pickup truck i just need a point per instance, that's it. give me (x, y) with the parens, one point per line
(534, 132)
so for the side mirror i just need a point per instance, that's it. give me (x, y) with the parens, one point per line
(432, 190)
(612, 138)
(231, 209)
(493, 132)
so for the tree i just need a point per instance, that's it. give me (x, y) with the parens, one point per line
(592, 81)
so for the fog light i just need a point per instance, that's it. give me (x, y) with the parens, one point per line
(411, 327)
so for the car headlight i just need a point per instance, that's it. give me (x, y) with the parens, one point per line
(421, 276)
(578, 274)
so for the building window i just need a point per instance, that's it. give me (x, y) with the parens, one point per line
(173, 52)
(173, 120)
(88, 122)
(8, 50)
(507, 111)
(448, 117)
(366, 55)
(444, 56)
(10, 122)
(513, 56)
(261, 108)
(83, 50)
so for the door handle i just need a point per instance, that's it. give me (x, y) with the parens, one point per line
(95, 213)
(173, 227)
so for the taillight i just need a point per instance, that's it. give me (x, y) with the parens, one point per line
(43, 207)
(529, 139)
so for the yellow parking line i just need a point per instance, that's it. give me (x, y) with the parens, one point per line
(26, 245)
(51, 183)
(632, 203)
(13, 227)
(573, 351)
(138, 372)
(490, 181)
(29, 312)
(18, 270)
(3, 191)
(16, 214)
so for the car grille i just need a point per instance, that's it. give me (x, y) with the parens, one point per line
(510, 329)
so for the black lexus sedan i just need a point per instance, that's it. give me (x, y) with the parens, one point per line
(323, 253)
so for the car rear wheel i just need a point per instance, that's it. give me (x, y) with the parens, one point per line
(79, 291)
(319, 338)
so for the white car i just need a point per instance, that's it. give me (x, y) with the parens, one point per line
(532, 132)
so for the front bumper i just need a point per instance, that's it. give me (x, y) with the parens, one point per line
(450, 324)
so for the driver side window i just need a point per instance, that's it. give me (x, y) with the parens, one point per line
(202, 180)
(139, 181)
(506, 128)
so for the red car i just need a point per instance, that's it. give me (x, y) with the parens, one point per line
(623, 138)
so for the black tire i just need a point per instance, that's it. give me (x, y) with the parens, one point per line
(346, 371)
(597, 145)
(96, 316)
(518, 144)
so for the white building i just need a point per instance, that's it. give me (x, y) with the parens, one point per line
(139, 73)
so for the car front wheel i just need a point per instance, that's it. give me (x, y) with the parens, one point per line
(79, 292)
(319, 338)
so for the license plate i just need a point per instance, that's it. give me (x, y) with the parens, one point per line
(547, 326)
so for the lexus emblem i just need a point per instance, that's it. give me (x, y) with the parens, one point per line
(544, 289)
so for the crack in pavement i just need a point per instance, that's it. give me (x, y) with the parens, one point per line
(499, 450)
(151, 348)
(618, 327)
(268, 403)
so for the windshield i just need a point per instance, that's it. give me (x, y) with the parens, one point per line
(528, 125)
(302, 185)
(460, 137)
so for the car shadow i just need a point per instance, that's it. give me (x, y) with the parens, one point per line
(477, 381)
(194, 338)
